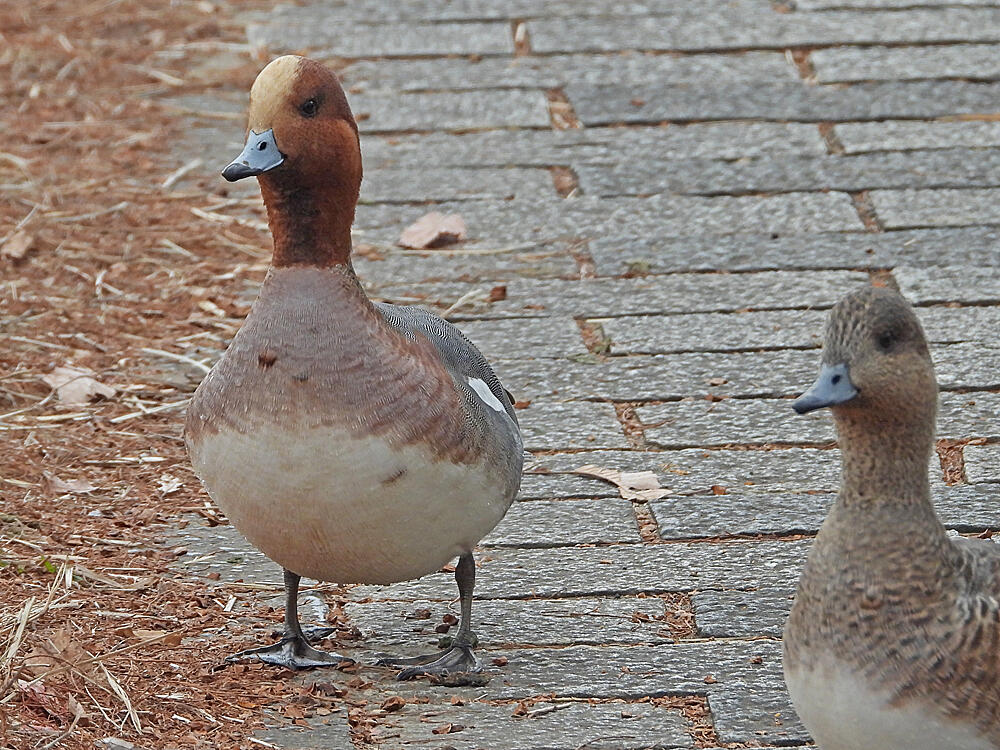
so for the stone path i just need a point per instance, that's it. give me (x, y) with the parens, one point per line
(672, 192)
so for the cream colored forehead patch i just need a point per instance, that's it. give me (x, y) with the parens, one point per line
(272, 86)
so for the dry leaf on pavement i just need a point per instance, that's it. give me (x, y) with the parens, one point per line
(433, 230)
(632, 485)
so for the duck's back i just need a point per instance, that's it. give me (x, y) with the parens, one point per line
(324, 434)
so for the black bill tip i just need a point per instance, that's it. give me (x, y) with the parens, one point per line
(237, 171)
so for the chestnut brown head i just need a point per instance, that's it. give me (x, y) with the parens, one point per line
(300, 130)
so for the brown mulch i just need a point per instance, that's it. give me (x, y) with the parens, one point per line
(112, 264)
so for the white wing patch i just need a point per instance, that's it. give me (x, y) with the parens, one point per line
(483, 391)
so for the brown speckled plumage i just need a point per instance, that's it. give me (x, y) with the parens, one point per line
(885, 593)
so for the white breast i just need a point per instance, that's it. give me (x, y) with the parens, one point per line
(843, 713)
(337, 507)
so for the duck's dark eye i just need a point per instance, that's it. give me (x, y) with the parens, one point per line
(309, 108)
(885, 340)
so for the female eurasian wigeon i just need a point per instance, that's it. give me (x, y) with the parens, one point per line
(893, 642)
(348, 441)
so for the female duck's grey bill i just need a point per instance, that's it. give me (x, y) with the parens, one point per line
(832, 387)
(259, 155)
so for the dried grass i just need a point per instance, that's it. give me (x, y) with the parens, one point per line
(132, 264)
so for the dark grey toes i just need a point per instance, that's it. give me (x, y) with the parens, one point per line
(456, 659)
(291, 653)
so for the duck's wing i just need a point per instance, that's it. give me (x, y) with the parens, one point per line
(459, 354)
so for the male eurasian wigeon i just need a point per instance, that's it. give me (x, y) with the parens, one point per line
(893, 642)
(348, 441)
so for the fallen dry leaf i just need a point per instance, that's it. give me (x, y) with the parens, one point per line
(17, 245)
(74, 386)
(632, 485)
(393, 704)
(433, 230)
(447, 729)
(56, 486)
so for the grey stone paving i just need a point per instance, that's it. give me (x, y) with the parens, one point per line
(900, 209)
(970, 61)
(906, 135)
(783, 174)
(721, 199)
(717, 140)
(603, 104)
(555, 71)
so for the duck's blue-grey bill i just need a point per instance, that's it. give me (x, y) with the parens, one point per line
(832, 387)
(259, 155)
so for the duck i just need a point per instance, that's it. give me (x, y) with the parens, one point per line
(348, 440)
(893, 640)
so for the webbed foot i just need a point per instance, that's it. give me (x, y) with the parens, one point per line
(458, 658)
(291, 652)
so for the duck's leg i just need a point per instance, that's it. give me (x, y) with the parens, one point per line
(293, 650)
(459, 657)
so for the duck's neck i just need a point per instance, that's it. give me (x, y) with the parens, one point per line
(310, 226)
(884, 462)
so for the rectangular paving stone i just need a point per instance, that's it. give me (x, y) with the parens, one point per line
(371, 11)
(961, 507)
(907, 135)
(739, 717)
(901, 209)
(290, 29)
(622, 252)
(562, 487)
(955, 168)
(600, 726)
(738, 331)
(811, 5)
(966, 350)
(849, 64)
(759, 421)
(690, 423)
(553, 523)
(497, 224)
(982, 463)
(513, 623)
(435, 184)
(619, 570)
(970, 415)
(663, 377)
(694, 471)
(380, 113)
(557, 425)
(674, 293)
(947, 285)
(393, 265)
(524, 338)
(601, 104)
(736, 28)
(328, 733)
(719, 140)
(555, 71)
(742, 614)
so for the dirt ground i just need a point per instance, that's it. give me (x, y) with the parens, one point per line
(112, 281)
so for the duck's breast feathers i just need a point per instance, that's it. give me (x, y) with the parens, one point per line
(314, 352)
